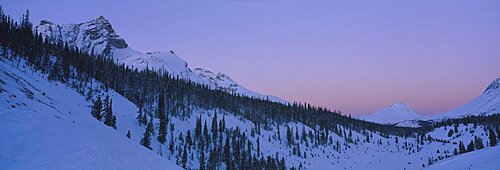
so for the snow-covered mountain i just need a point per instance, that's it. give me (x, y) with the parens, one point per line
(397, 112)
(483, 159)
(98, 37)
(485, 104)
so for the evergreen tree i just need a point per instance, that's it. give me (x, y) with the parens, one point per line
(162, 130)
(492, 137)
(450, 133)
(146, 140)
(128, 134)
(214, 128)
(296, 133)
(226, 157)
(461, 148)
(279, 134)
(184, 158)
(222, 124)
(197, 131)
(478, 143)
(202, 159)
(212, 159)
(113, 122)
(109, 118)
(205, 133)
(470, 147)
(145, 119)
(97, 109)
(139, 118)
(189, 140)
(258, 146)
(171, 145)
(289, 137)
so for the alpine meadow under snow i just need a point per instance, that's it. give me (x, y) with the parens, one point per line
(76, 96)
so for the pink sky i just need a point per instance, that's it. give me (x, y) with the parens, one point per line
(347, 55)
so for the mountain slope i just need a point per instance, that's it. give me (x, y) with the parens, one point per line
(485, 159)
(485, 104)
(397, 112)
(46, 125)
(98, 37)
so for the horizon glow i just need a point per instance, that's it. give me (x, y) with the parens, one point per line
(351, 56)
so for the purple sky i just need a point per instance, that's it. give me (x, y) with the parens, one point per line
(349, 55)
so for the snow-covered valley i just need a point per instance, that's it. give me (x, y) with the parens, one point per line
(52, 124)
(153, 120)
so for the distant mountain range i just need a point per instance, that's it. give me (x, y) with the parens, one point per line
(487, 103)
(98, 37)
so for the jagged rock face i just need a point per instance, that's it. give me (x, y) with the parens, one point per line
(95, 36)
(493, 86)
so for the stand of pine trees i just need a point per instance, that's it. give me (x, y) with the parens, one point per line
(99, 112)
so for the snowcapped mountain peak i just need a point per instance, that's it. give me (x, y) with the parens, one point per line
(493, 86)
(487, 103)
(402, 108)
(220, 80)
(394, 113)
(97, 36)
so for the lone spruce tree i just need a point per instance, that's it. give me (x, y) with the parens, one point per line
(492, 137)
(97, 109)
(146, 140)
(461, 148)
(109, 118)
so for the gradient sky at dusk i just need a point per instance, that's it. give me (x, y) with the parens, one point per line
(356, 56)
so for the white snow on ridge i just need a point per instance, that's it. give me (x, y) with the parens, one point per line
(98, 36)
(487, 103)
(223, 82)
(95, 36)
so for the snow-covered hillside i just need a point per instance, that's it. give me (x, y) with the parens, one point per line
(46, 125)
(397, 112)
(98, 37)
(488, 158)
